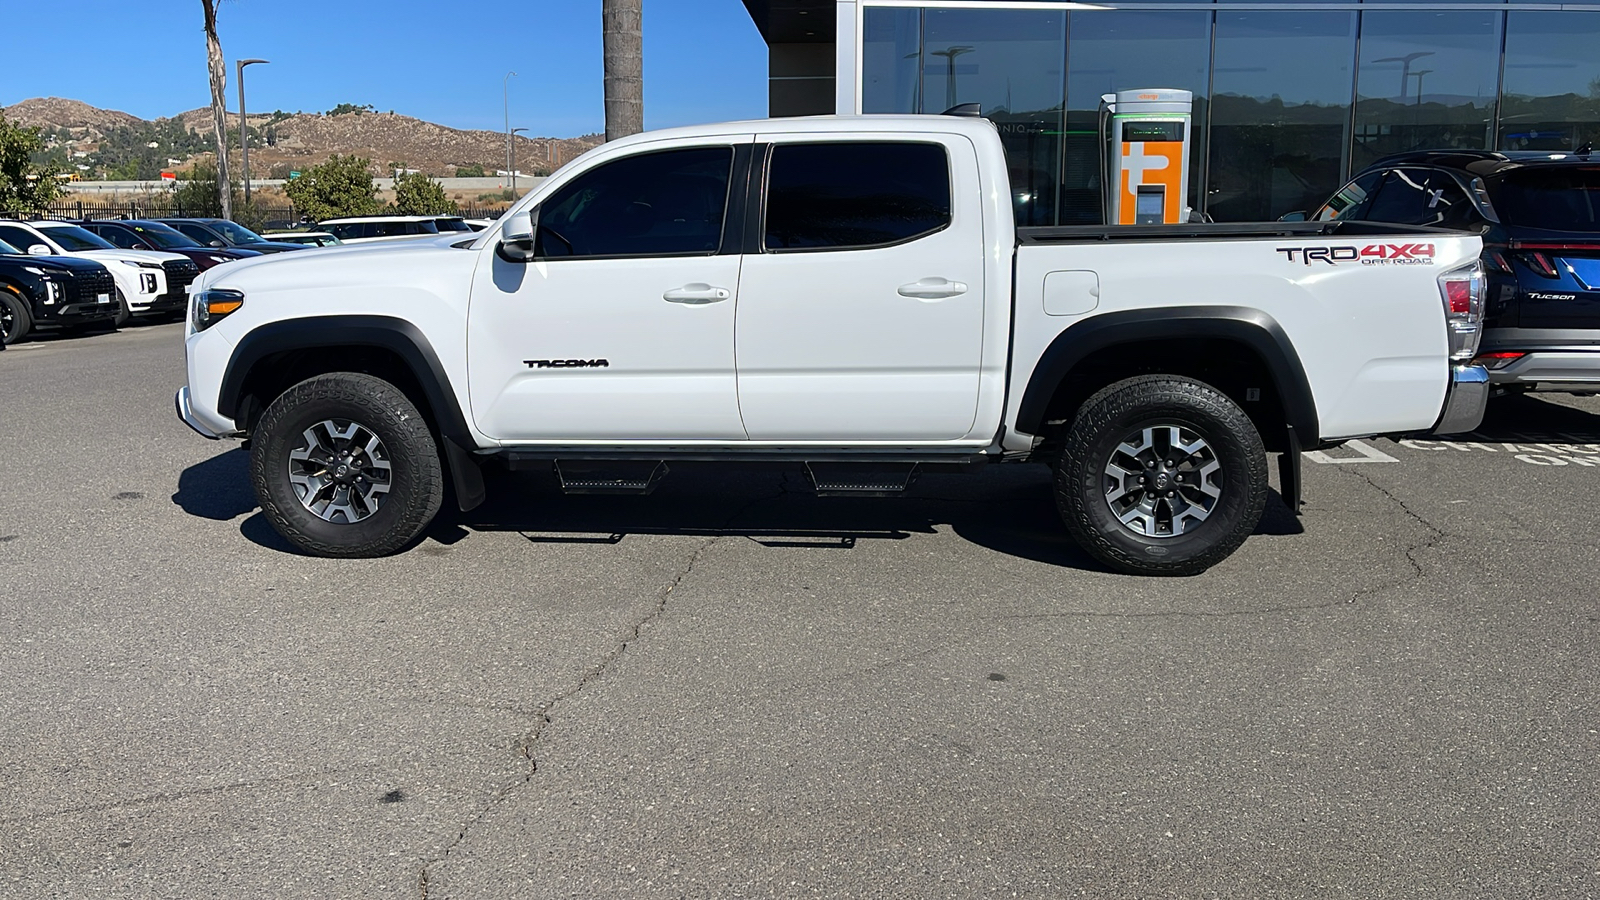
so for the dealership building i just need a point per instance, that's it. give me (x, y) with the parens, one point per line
(1289, 98)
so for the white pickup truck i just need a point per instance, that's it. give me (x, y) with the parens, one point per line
(847, 294)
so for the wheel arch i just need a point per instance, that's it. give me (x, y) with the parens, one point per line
(1094, 350)
(272, 357)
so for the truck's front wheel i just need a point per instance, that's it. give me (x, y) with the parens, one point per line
(1161, 475)
(344, 465)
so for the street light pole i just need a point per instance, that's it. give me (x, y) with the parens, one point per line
(244, 128)
(513, 168)
(505, 87)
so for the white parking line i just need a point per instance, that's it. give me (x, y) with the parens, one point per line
(1369, 454)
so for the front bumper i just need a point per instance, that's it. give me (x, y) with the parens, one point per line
(165, 304)
(203, 427)
(1465, 401)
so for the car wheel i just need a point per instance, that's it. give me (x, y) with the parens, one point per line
(1161, 475)
(15, 322)
(123, 312)
(344, 465)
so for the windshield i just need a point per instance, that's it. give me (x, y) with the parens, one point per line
(1554, 199)
(452, 225)
(74, 239)
(237, 234)
(163, 237)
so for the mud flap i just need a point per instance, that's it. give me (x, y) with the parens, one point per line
(1289, 478)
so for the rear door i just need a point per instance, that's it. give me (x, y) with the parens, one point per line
(861, 297)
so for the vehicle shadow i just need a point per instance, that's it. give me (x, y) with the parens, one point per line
(1533, 418)
(218, 488)
(1006, 509)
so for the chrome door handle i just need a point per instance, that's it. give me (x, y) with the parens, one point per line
(932, 289)
(697, 294)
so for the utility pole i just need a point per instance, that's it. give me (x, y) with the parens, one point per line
(513, 169)
(505, 87)
(244, 127)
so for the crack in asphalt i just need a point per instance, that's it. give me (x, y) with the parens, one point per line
(1436, 535)
(168, 797)
(525, 745)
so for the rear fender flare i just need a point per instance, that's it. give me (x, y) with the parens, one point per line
(1250, 327)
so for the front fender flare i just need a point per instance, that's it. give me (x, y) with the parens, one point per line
(399, 336)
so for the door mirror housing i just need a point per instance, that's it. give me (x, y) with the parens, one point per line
(38, 250)
(218, 244)
(517, 236)
(1298, 215)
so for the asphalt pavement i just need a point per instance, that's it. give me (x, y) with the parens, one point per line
(732, 688)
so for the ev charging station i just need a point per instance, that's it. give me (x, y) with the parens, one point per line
(1146, 154)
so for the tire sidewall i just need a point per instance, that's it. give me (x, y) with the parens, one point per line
(376, 533)
(1080, 488)
(21, 320)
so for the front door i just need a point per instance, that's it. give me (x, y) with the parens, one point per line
(621, 328)
(861, 308)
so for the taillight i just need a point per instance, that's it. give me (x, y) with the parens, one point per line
(1499, 359)
(1463, 291)
(1539, 263)
(1496, 261)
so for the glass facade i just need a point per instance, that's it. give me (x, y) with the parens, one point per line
(1288, 103)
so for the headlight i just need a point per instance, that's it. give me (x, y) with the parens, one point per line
(209, 307)
(52, 291)
(219, 259)
(147, 283)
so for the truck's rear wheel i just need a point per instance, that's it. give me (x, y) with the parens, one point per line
(15, 322)
(344, 465)
(1161, 475)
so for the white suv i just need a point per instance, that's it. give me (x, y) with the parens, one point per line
(365, 229)
(149, 282)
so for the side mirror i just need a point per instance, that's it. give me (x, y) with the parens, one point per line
(516, 236)
(38, 250)
(140, 245)
(218, 244)
(1298, 215)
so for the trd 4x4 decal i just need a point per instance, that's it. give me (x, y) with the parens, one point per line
(1369, 255)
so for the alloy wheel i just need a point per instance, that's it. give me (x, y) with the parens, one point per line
(1163, 481)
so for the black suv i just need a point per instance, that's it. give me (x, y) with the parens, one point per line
(52, 292)
(223, 234)
(1539, 214)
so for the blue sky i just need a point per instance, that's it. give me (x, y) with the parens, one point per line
(704, 61)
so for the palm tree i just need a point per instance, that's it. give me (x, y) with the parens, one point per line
(219, 83)
(623, 32)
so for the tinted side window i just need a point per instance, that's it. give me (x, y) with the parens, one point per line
(855, 195)
(19, 238)
(1421, 197)
(653, 204)
(1351, 200)
(195, 231)
(117, 236)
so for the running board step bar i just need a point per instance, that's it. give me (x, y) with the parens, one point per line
(844, 479)
(610, 477)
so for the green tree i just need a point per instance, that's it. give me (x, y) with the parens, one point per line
(24, 185)
(196, 193)
(342, 186)
(469, 171)
(418, 195)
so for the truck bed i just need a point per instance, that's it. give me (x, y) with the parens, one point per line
(1215, 231)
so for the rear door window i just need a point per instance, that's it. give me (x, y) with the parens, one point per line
(1421, 197)
(855, 195)
(117, 236)
(1556, 199)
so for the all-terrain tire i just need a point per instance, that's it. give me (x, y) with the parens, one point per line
(15, 321)
(1124, 410)
(415, 476)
